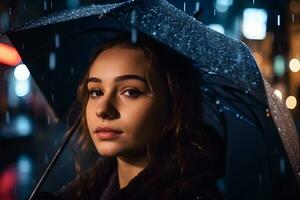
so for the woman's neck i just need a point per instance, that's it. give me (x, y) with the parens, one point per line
(128, 168)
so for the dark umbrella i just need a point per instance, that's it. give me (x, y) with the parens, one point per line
(263, 150)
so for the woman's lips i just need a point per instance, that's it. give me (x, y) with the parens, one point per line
(107, 133)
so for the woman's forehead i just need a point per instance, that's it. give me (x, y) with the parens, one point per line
(120, 60)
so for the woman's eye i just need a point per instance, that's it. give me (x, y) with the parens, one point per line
(95, 93)
(133, 93)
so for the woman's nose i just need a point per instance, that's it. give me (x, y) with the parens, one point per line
(107, 109)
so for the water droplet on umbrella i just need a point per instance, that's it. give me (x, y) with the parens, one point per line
(184, 6)
(57, 40)
(282, 165)
(52, 61)
(278, 20)
(7, 117)
(45, 5)
(46, 158)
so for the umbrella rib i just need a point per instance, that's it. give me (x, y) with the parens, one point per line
(58, 152)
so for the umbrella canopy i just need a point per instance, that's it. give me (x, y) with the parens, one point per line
(263, 150)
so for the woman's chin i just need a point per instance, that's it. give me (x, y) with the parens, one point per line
(109, 152)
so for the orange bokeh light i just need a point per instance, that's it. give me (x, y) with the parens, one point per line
(9, 55)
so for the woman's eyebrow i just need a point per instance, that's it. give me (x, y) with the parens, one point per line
(119, 78)
(129, 77)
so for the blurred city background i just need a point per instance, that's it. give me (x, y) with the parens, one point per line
(29, 130)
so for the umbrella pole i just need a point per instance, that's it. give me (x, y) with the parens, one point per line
(41, 180)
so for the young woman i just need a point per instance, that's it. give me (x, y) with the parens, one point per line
(141, 111)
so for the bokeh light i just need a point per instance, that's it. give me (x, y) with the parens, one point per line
(21, 72)
(255, 23)
(294, 65)
(291, 102)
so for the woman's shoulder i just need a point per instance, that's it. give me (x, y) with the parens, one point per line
(88, 184)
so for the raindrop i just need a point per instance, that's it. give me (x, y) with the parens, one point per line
(246, 91)
(133, 17)
(45, 5)
(154, 33)
(48, 120)
(226, 71)
(293, 18)
(220, 110)
(278, 20)
(52, 97)
(282, 165)
(205, 89)
(57, 40)
(217, 102)
(133, 35)
(7, 117)
(253, 1)
(23, 45)
(184, 6)
(46, 158)
(51, 4)
(214, 12)
(237, 115)
(72, 70)
(52, 61)
(197, 7)
(9, 11)
(260, 178)
(55, 142)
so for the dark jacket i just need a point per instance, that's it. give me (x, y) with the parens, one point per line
(164, 178)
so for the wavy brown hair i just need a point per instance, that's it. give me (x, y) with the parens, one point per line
(185, 127)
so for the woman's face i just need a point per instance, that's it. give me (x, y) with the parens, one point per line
(126, 109)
